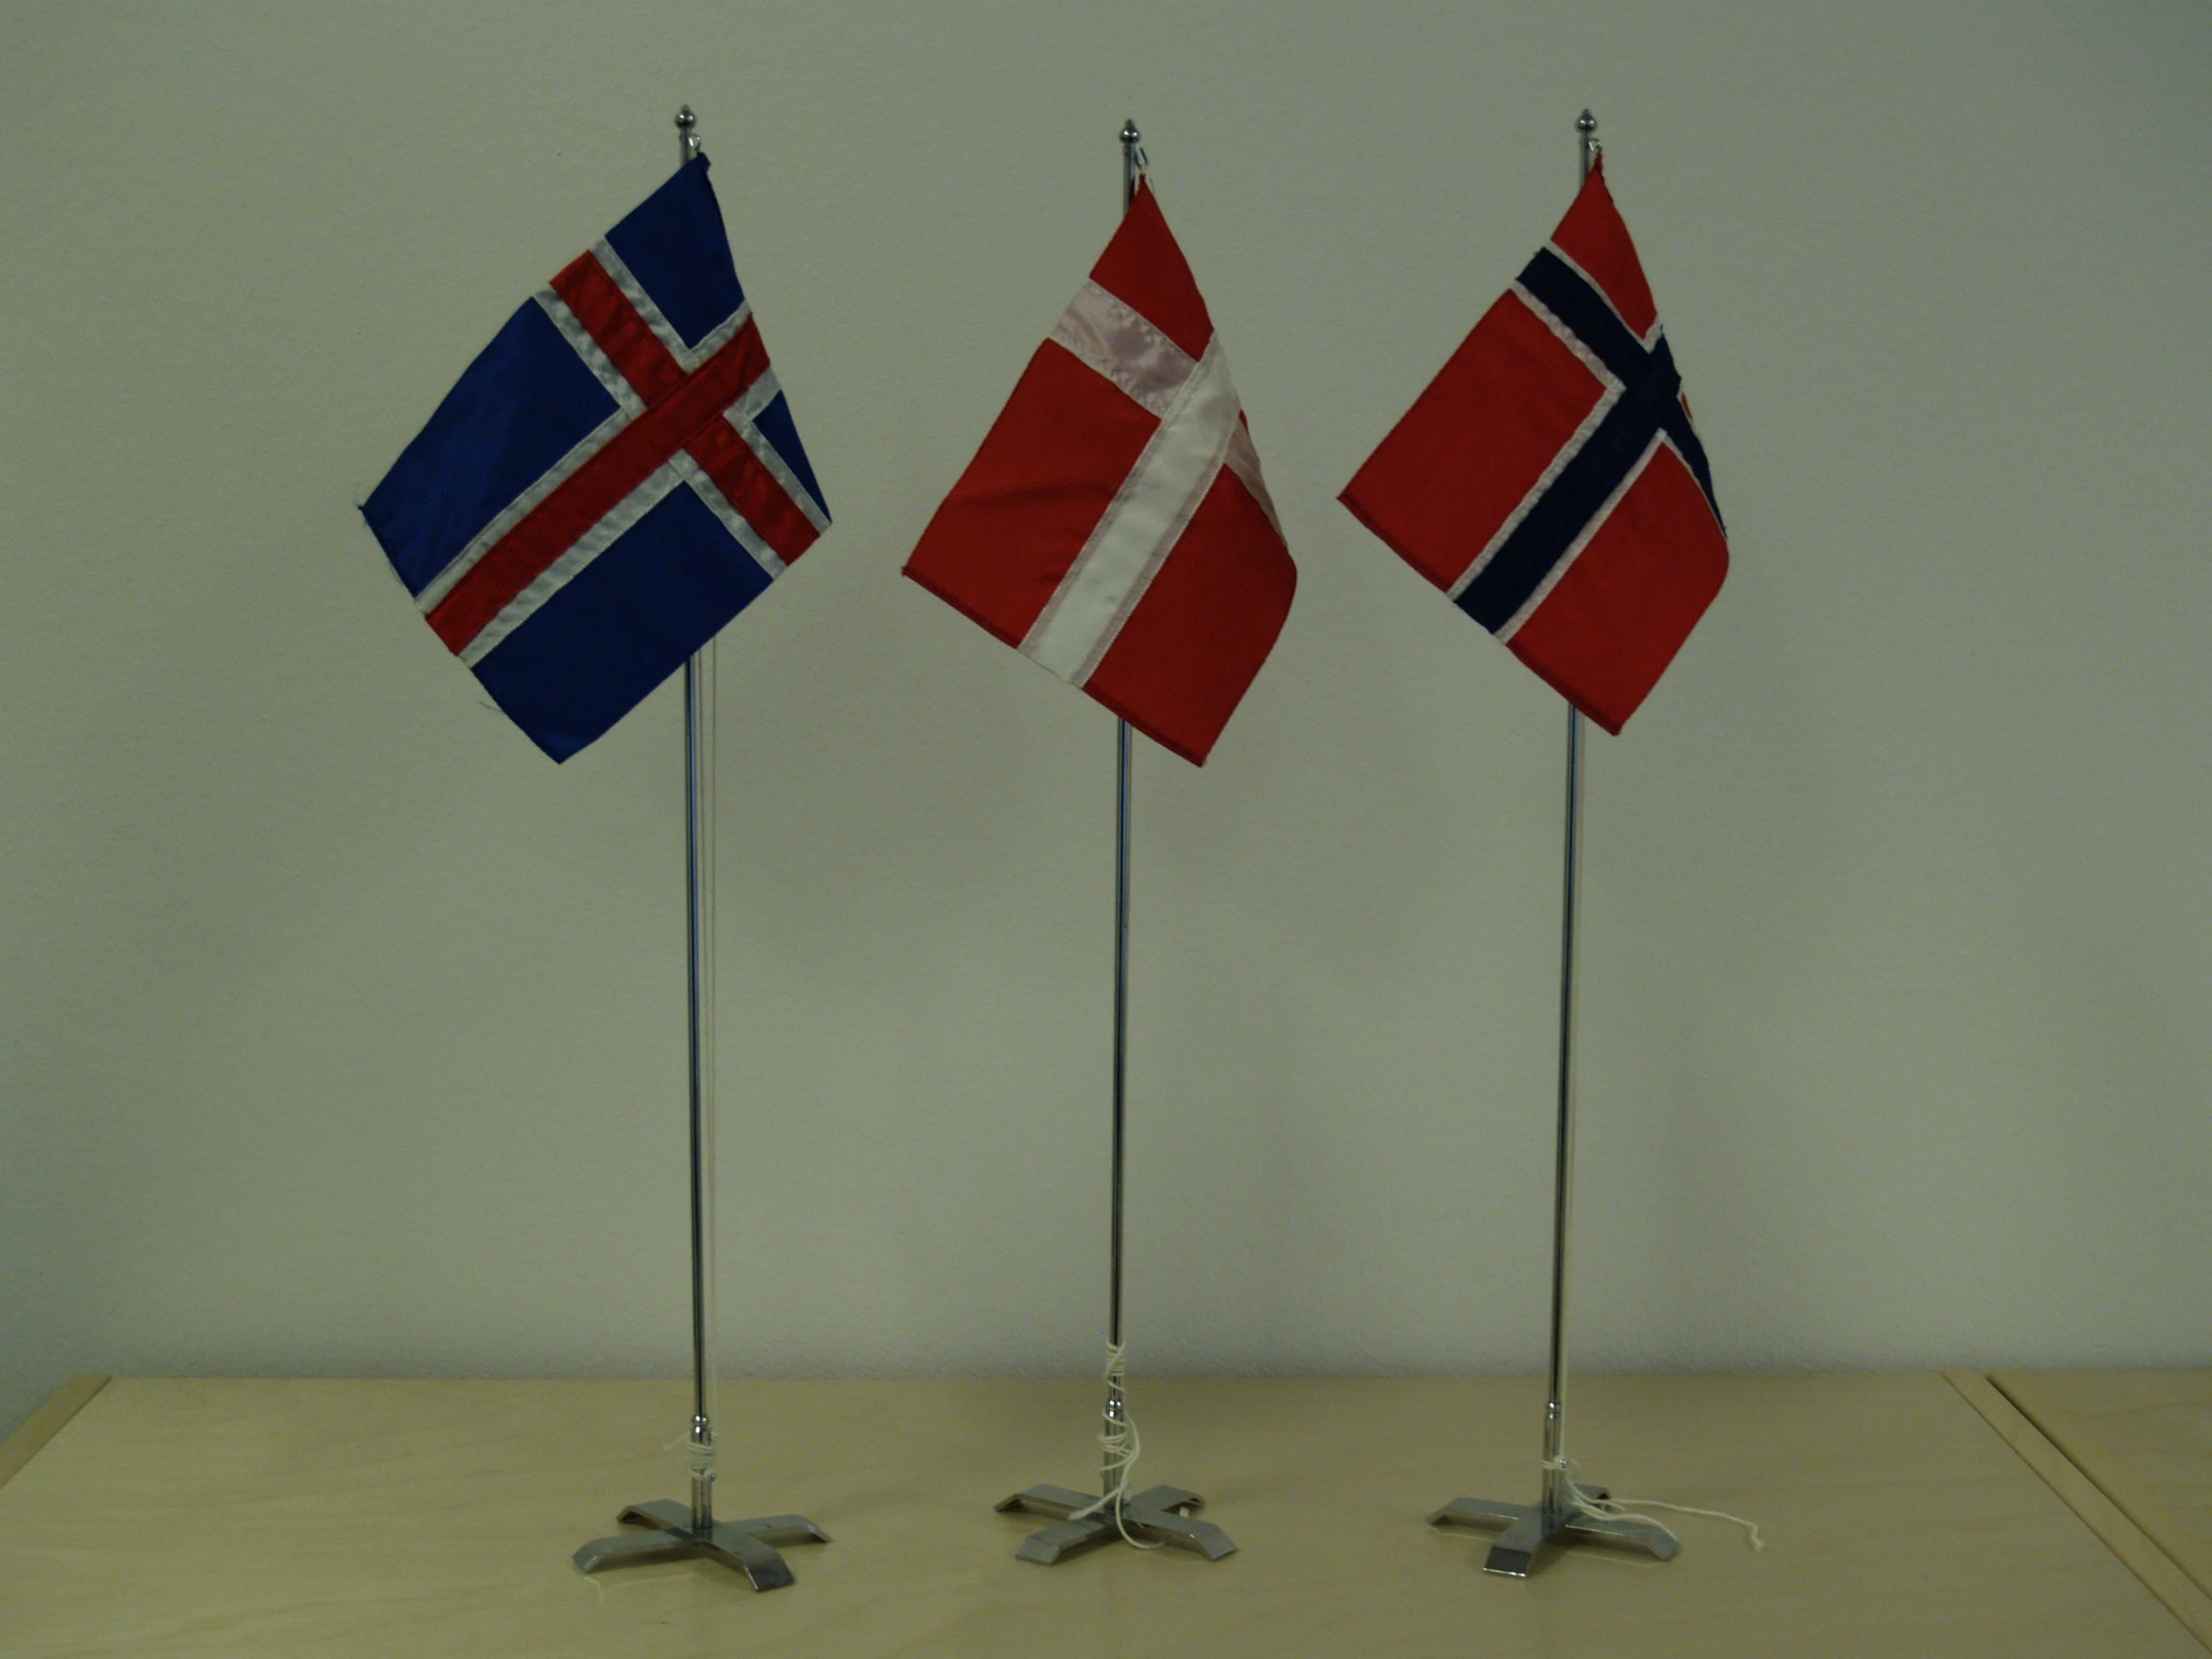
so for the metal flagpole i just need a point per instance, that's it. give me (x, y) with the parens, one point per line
(1159, 1514)
(678, 1530)
(1561, 1512)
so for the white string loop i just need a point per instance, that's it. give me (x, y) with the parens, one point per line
(1624, 1508)
(1119, 1441)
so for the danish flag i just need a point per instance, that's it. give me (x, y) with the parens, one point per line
(1114, 526)
(613, 478)
(1549, 478)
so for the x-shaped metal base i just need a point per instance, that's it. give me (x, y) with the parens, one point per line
(747, 1545)
(1157, 1514)
(1530, 1525)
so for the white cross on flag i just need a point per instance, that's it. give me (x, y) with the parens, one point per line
(1114, 526)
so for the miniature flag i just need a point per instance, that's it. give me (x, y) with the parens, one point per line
(1549, 478)
(1114, 526)
(613, 478)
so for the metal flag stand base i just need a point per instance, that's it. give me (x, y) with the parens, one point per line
(1563, 1514)
(1529, 1526)
(747, 1545)
(680, 1530)
(1158, 1515)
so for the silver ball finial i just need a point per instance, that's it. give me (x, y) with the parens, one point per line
(1129, 132)
(1585, 124)
(685, 119)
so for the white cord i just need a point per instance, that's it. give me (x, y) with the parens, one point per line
(1624, 1508)
(1120, 1443)
(698, 1457)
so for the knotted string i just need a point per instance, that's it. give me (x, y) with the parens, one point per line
(1119, 1441)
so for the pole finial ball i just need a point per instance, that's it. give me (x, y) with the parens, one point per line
(1586, 124)
(1129, 132)
(685, 119)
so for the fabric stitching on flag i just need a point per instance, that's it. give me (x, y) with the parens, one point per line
(759, 396)
(1584, 538)
(725, 509)
(629, 405)
(1597, 288)
(1634, 357)
(687, 357)
(772, 459)
(1243, 459)
(565, 569)
(1613, 388)
(1668, 437)
(1556, 284)
(595, 357)
(568, 559)
(740, 416)
(1108, 334)
(1140, 526)
(1573, 505)
(648, 308)
(519, 509)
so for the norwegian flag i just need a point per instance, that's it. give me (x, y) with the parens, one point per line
(1114, 526)
(614, 477)
(1549, 478)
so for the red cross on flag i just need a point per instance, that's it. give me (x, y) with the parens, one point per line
(614, 477)
(1114, 526)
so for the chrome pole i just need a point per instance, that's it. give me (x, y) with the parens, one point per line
(1559, 1511)
(749, 1545)
(1558, 1495)
(1117, 1408)
(699, 906)
(699, 920)
(1159, 1514)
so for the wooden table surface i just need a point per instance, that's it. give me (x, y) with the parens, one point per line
(339, 1519)
(2144, 1438)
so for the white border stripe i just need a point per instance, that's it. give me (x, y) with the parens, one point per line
(1647, 339)
(570, 564)
(1575, 547)
(740, 416)
(732, 520)
(1572, 447)
(687, 357)
(580, 341)
(1140, 526)
(628, 406)
(518, 509)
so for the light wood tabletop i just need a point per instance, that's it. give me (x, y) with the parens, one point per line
(434, 1518)
(2144, 1438)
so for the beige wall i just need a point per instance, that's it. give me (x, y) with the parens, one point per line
(339, 1032)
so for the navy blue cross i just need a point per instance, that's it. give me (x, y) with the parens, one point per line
(1650, 402)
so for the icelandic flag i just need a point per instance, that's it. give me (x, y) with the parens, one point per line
(613, 478)
(1549, 479)
(1114, 527)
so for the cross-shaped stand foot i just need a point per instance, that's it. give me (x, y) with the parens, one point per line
(747, 1545)
(1530, 1525)
(1157, 1514)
